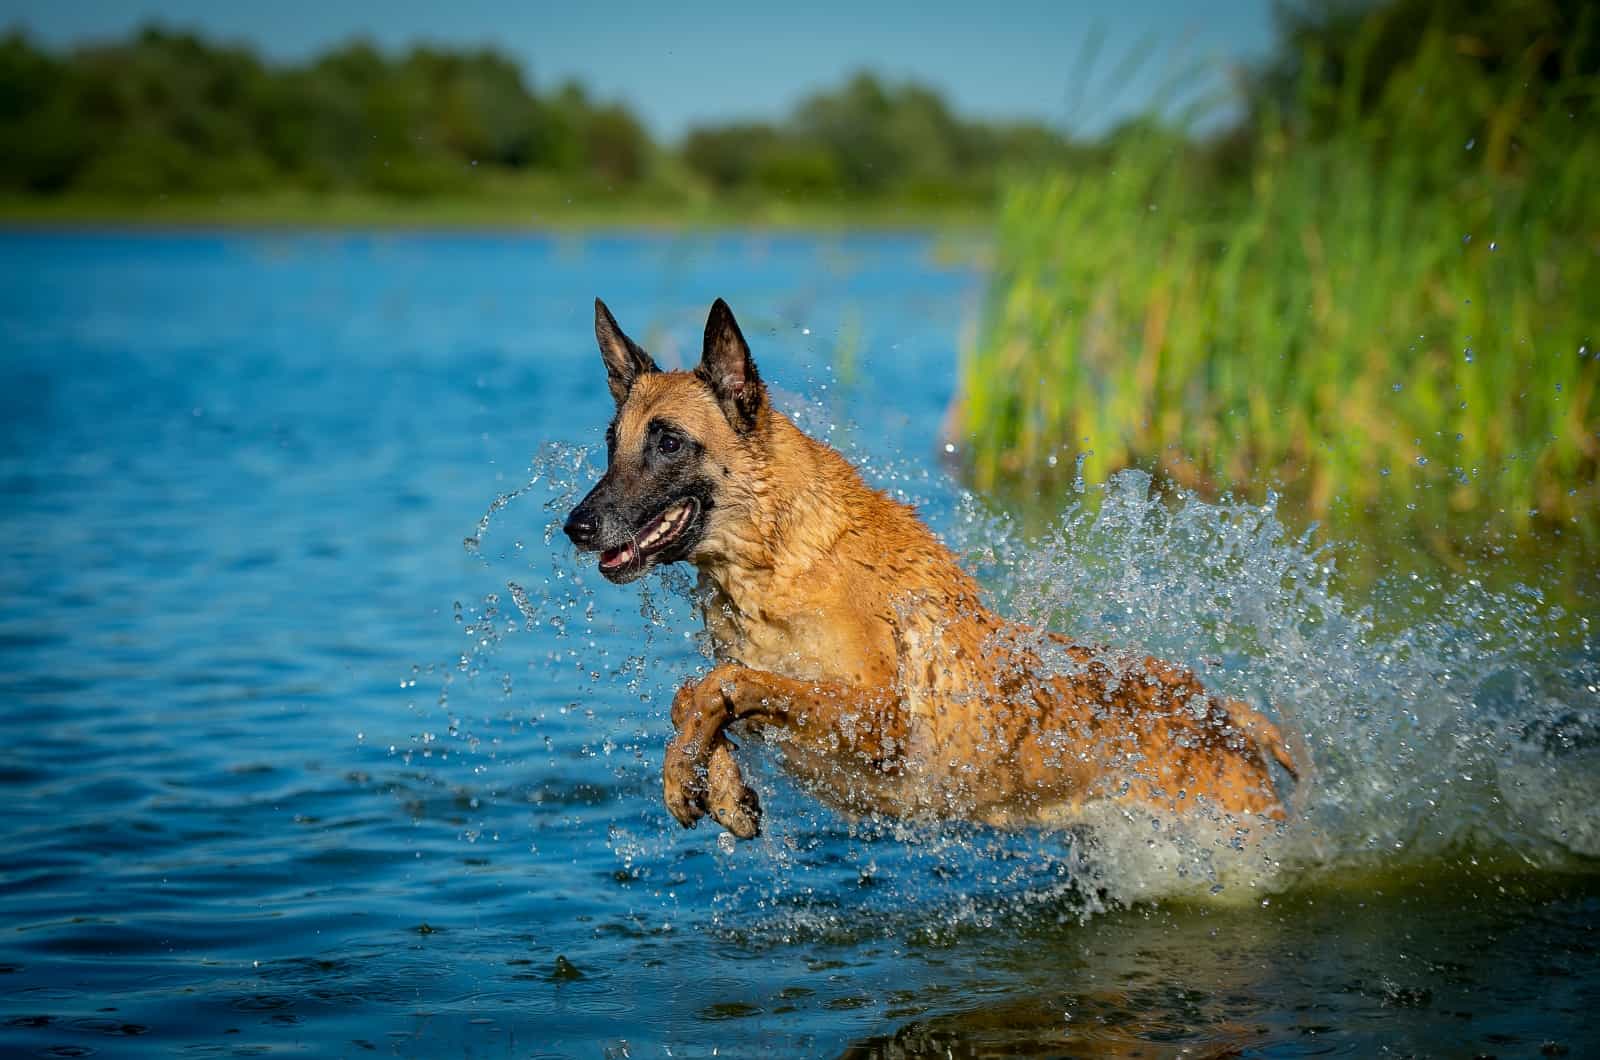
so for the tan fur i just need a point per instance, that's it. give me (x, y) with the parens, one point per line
(841, 621)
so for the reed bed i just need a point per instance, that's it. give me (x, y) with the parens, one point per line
(1367, 303)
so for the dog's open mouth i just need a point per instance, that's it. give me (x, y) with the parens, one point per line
(657, 535)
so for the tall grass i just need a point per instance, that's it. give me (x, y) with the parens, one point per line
(1399, 306)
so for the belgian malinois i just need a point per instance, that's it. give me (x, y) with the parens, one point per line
(844, 626)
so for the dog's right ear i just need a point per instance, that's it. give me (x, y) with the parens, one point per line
(726, 365)
(625, 360)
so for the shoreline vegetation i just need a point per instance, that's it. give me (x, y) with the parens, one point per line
(491, 210)
(1380, 293)
(1377, 292)
(166, 126)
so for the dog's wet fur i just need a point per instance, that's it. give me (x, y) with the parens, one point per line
(845, 628)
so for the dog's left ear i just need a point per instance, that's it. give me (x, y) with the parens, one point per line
(625, 359)
(726, 365)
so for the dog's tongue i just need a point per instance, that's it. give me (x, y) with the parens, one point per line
(613, 558)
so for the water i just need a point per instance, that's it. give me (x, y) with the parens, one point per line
(289, 768)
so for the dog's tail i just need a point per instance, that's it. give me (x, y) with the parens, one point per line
(1266, 735)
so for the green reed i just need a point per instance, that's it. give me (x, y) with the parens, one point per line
(1399, 306)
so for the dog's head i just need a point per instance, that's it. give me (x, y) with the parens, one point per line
(673, 450)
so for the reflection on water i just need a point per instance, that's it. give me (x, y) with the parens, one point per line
(290, 768)
(1389, 968)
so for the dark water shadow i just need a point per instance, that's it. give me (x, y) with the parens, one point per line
(1423, 967)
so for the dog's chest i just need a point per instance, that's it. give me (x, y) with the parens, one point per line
(805, 643)
(797, 649)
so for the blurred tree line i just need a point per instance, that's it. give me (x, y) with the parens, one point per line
(1520, 72)
(170, 113)
(868, 138)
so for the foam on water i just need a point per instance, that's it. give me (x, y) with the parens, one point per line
(1437, 725)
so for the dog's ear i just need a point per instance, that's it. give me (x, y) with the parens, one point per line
(726, 365)
(625, 360)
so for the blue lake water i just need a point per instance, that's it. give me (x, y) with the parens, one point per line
(288, 768)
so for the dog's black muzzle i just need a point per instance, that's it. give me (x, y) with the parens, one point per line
(633, 530)
(584, 524)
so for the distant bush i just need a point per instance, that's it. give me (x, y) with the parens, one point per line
(169, 113)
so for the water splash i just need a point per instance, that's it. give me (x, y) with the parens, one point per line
(1438, 719)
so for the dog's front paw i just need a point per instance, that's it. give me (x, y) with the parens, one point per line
(682, 787)
(734, 804)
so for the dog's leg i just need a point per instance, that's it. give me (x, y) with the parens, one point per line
(1266, 735)
(722, 790)
(732, 802)
(841, 717)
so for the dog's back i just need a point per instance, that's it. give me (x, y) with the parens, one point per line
(847, 585)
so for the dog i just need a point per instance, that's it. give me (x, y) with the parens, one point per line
(843, 626)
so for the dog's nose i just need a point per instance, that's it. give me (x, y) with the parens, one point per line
(581, 526)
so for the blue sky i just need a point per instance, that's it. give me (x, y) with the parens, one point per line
(676, 63)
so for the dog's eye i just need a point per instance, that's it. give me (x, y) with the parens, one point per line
(669, 443)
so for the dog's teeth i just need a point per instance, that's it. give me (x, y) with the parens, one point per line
(667, 525)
